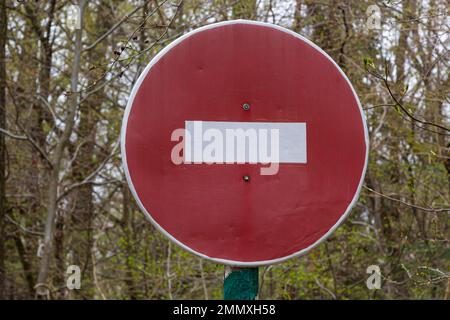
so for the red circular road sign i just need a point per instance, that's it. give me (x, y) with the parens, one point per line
(193, 125)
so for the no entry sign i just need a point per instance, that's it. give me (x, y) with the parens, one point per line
(244, 143)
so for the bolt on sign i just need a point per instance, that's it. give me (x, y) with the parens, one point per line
(244, 143)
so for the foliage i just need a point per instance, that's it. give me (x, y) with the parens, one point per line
(400, 223)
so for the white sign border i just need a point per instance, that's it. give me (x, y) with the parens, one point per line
(127, 173)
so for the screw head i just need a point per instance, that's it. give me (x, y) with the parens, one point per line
(246, 178)
(246, 106)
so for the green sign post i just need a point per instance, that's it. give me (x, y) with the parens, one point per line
(240, 283)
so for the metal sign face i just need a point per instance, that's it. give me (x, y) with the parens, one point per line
(244, 143)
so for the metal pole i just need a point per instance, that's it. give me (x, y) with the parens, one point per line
(240, 283)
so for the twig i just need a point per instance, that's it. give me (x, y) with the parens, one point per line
(114, 27)
(398, 103)
(408, 204)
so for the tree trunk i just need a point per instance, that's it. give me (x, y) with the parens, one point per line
(3, 30)
(42, 285)
(83, 214)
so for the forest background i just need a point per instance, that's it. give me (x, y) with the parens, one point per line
(64, 84)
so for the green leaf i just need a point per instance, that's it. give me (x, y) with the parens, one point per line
(368, 62)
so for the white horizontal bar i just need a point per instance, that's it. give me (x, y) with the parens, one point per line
(254, 142)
